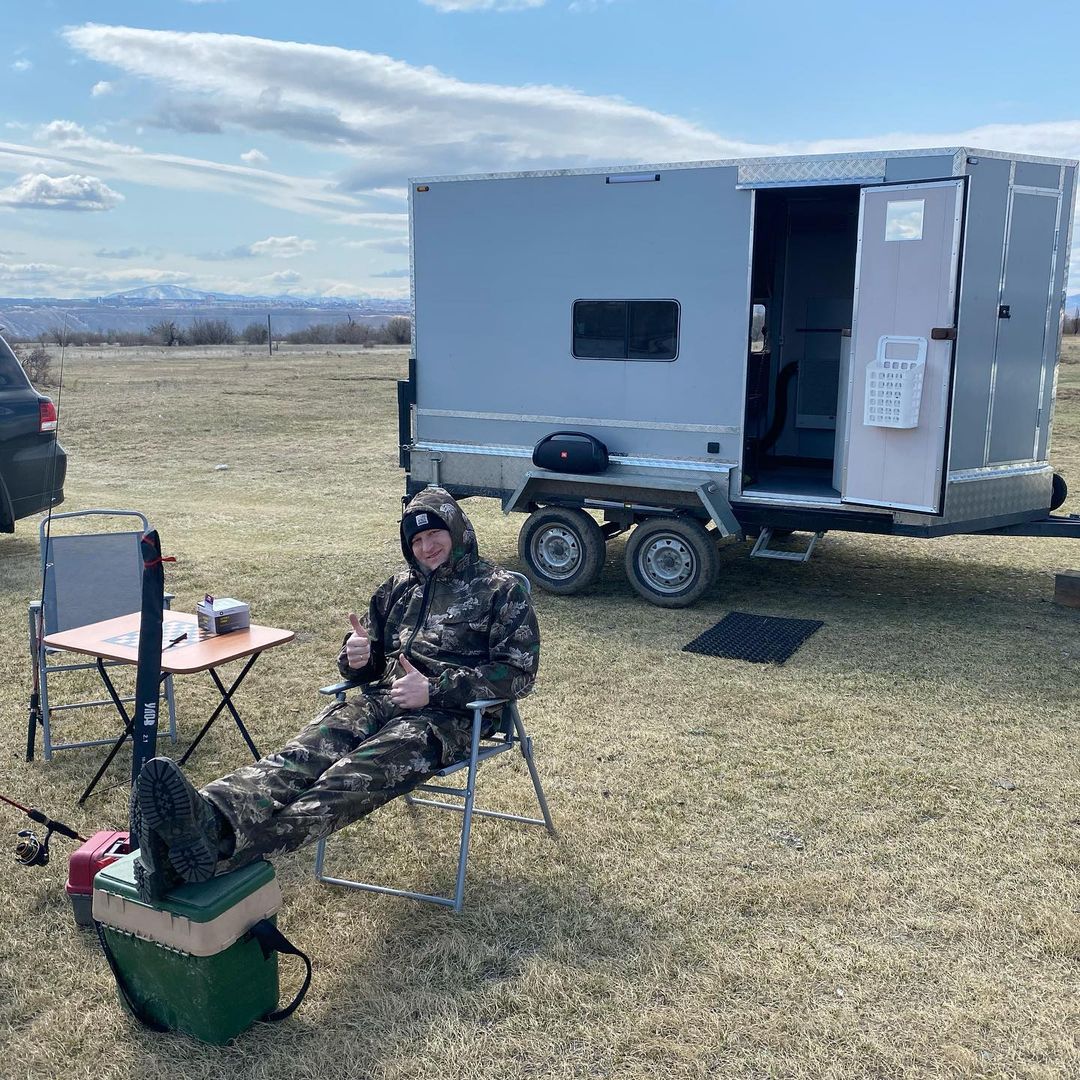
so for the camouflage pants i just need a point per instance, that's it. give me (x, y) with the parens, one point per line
(353, 757)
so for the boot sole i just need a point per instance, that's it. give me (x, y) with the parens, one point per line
(172, 808)
(154, 874)
(154, 884)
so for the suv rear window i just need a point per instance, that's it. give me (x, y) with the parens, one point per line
(11, 372)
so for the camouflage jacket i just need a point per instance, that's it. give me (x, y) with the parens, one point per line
(469, 626)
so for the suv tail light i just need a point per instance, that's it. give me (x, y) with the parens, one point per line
(46, 416)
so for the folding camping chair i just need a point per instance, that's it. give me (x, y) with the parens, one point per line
(87, 577)
(509, 734)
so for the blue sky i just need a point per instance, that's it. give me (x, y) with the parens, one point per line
(264, 147)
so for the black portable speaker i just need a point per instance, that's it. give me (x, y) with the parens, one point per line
(570, 451)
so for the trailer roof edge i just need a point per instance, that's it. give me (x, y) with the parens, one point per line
(771, 159)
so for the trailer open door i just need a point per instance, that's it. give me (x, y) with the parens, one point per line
(895, 399)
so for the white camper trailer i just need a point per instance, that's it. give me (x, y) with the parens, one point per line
(864, 342)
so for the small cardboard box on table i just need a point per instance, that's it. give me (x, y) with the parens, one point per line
(189, 962)
(222, 614)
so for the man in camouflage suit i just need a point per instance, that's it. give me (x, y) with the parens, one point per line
(449, 629)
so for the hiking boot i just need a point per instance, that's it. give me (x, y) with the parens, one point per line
(184, 820)
(154, 874)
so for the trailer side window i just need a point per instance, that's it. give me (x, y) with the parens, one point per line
(626, 329)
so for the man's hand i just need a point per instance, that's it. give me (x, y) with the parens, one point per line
(411, 691)
(357, 645)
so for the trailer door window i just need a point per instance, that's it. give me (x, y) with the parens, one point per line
(904, 219)
(626, 329)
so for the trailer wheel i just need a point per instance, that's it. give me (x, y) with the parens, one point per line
(671, 561)
(563, 549)
(1059, 492)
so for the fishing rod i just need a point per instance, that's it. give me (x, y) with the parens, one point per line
(29, 850)
(34, 717)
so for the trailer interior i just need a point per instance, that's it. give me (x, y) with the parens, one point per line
(802, 293)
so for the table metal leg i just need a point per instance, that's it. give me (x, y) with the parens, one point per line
(129, 729)
(226, 703)
(129, 723)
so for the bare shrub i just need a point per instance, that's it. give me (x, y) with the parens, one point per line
(165, 332)
(350, 332)
(209, 332)
(399, 330)
(37, 363)
(254, 334)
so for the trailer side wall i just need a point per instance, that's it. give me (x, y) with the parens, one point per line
(498, 264)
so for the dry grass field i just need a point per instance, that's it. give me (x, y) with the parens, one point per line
(861, 864)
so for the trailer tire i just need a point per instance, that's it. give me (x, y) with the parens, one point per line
(1059, 492)
(563, 549)
(671, 561)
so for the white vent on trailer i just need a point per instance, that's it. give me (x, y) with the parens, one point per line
(894, 381)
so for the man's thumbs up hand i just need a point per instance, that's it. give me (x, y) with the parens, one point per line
(357, 644)
(412, 690)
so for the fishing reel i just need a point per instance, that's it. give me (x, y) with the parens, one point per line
(29, 850)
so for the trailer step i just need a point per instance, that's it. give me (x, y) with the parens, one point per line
(761, 549)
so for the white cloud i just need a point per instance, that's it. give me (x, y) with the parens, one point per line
(37, 191)
(67, 135)
(483, 5)
(282, 247)
(35, 279)
(73, 149)
(22, 65)
(101, 88)
(254, 157)
(392, 245)
(281, 277)
(391, 118)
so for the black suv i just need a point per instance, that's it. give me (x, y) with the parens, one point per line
(31, 471)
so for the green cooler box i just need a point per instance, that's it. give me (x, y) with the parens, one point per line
(190, 962)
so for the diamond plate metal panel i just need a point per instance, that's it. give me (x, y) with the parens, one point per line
(811, 170)
(973, 500)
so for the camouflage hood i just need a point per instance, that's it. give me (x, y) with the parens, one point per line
(463, 549)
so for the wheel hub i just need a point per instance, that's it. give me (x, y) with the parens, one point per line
(667, 563)
(557, 551)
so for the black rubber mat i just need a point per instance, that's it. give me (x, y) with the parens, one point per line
(760, 639)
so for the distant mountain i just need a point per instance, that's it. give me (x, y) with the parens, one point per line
(137, 309)
(1072, 303)
(164, 292)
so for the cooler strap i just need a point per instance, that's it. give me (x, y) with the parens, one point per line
(147, 1021)
(270, 940)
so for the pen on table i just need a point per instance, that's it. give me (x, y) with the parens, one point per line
(176, 640)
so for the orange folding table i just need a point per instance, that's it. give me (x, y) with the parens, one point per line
(185, 650)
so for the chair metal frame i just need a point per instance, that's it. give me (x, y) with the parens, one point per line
(509, 735)
(43, 621)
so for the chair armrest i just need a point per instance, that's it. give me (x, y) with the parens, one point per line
(169, 597)
(35, 605)
(340, 687)
(487, 704)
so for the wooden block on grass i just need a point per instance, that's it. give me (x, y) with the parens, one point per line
(1067, 589)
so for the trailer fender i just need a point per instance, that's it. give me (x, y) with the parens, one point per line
(708, 492)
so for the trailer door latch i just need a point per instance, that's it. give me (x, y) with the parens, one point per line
(943, 333)
(1003, 311)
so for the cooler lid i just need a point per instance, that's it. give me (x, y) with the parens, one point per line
(200, 920)
(201, 902)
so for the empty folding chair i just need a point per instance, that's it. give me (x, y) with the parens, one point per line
(87, 577)
(509, 735)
